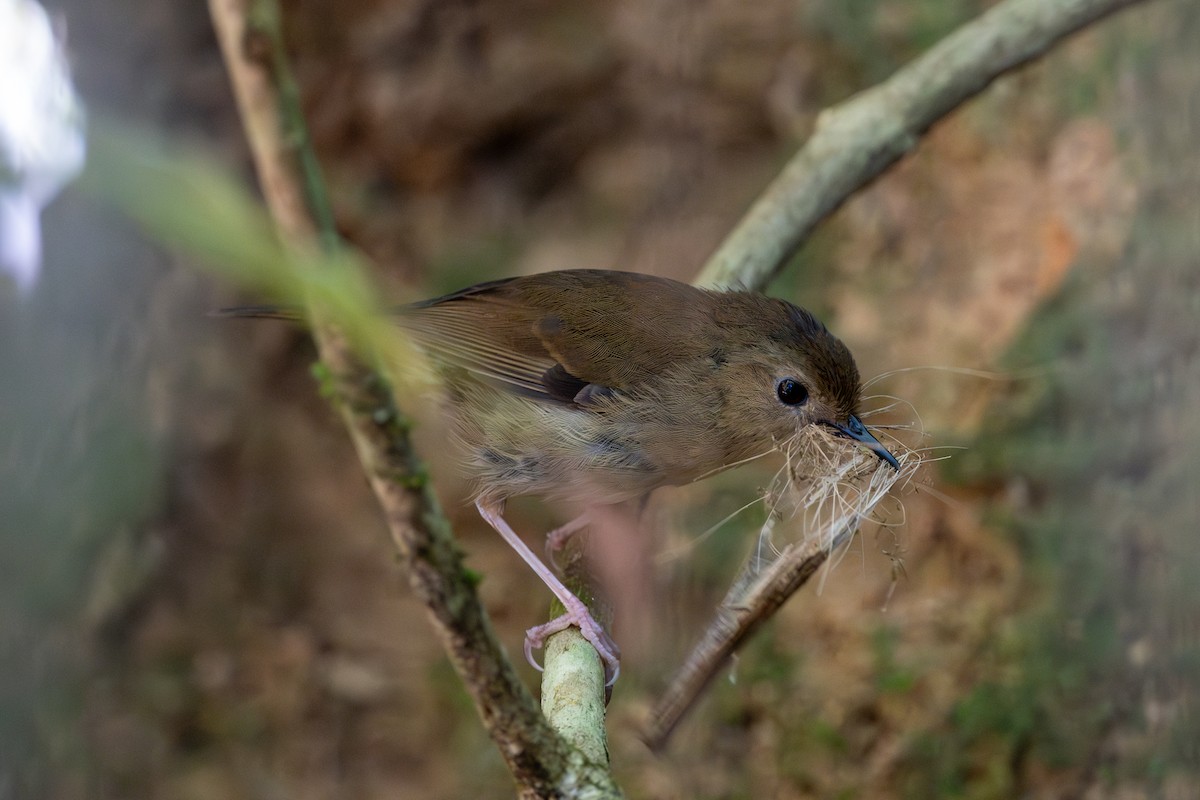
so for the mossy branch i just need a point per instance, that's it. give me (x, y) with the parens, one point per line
(543, 764)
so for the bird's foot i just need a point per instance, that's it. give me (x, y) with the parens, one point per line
(557, 539)
(592, 631)
(577, 612)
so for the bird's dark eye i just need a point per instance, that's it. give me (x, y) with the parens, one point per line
(791, 392)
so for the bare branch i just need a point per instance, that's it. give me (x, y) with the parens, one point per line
(755, 596)
(853, 144)
(856, 141)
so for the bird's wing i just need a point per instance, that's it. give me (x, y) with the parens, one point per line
(481, 332)
(567, 337)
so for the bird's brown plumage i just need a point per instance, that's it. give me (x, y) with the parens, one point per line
(612, 329)
(600, 386)
(592, 382)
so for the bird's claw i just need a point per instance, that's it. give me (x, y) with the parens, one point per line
(592, 631)
(557, 538)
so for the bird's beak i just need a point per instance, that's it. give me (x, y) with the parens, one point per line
(854, 429)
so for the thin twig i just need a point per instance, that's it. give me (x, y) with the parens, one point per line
(856, 141)
(543, 764)
(754, 597)
(843, 491)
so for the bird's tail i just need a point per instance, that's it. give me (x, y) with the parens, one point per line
(292, 313)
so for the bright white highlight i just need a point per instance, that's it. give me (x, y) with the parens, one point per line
(41, 134)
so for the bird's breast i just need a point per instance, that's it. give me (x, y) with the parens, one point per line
(622, 447)
(516, 446)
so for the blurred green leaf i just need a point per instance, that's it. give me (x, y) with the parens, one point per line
(186, 201)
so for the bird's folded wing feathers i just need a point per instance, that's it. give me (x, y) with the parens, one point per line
(561, 337)
(461, 334)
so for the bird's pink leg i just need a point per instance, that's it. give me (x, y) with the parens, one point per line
(557, 539)
(577, 613)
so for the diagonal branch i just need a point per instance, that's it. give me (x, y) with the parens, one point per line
(540, 760)
(853, 144)
(756, 595)
(856, 141)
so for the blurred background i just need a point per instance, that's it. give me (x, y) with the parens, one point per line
(198, 598)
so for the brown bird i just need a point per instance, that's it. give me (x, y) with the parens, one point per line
(598, 386)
